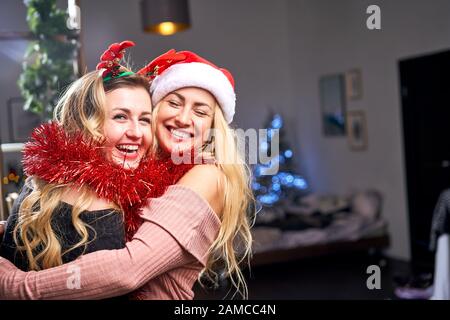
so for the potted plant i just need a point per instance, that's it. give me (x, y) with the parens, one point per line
(50, 59)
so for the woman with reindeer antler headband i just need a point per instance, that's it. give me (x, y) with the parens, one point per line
(190, 230)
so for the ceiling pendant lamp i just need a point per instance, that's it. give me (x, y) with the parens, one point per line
(165, 17)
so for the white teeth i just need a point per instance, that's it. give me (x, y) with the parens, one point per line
(180, 134)
(128, 147)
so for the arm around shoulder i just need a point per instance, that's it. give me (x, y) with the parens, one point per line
(176, 227)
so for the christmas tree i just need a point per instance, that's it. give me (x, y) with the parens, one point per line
(282, 186)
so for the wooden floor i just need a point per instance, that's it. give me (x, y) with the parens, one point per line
(340, 276)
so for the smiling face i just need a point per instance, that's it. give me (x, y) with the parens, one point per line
(184, 118)
(127, 126)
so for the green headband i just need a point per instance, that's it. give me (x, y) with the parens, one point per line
(122, 74)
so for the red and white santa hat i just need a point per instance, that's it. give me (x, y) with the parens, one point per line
(174, 70)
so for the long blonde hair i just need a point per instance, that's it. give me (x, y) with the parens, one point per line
(81, 108)
(233, 245)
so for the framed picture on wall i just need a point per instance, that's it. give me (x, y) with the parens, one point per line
(21, 122)
(332, 100)
(357, 130)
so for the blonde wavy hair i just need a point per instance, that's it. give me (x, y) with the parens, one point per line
(81, 108)
(233, 245)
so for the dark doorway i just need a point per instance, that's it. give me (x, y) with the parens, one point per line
(425, 94)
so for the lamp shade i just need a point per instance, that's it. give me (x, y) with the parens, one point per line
(165, 17)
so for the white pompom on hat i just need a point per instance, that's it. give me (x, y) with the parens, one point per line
(174, 70)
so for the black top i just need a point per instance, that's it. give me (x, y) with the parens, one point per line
(108, 225)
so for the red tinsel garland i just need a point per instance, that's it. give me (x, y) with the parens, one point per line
(57, 157)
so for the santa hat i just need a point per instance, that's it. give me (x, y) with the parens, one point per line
(174, 70)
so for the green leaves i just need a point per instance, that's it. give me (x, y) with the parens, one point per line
(48, 65)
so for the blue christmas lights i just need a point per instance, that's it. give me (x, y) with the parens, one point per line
(271, 189)
(277, 122)
(300, 183)
(288, 153)
(268, 199)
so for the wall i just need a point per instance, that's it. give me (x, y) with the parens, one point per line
(331, 36)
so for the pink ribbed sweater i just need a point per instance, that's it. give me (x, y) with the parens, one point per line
(163, 258)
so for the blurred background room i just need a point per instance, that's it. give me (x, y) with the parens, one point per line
(358, 206)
